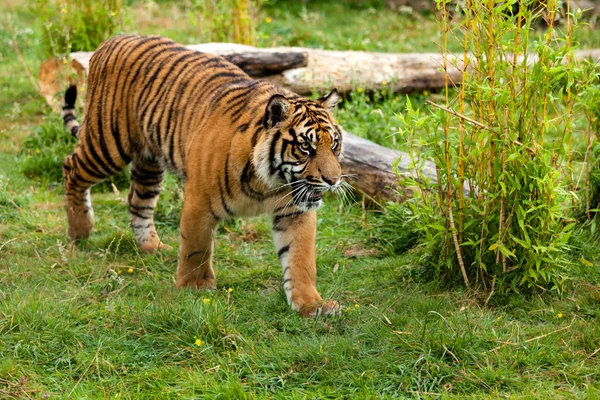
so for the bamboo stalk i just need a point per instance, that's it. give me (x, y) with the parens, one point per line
(449, 191)
(461, 145)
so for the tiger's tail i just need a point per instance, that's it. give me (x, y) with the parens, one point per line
(68, 110)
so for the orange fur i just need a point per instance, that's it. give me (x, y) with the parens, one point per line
(243, 147)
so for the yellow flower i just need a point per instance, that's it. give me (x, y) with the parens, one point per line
(347, 308)
(425, 93)
(206, 301)
(198, 342)
(130, 270)
(37, 151)
(229, 290)
(384, 83)
(559, 315)
(113, 14)
(499, 317)
(119, 272)
(268, 20)
(63, 10)
(357, 306)
(359, 90)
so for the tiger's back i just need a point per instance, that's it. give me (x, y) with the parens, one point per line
(242, 146)
(151, 92)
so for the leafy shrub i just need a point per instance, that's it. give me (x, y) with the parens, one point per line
(372, 114)
(226, 21)
(45, 149)
(76, 25)
(498, 215)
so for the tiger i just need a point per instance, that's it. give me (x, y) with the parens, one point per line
(242, 147)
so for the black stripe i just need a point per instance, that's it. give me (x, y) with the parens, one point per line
(255, 135)
(227, 186)
(68, 118)
(243, 128)
(138, 214)
(89, 167)
(283, 250)
(245, 179)
(274, 141)
(139, 226)
(231, 90)
(215, 216)
(147, 195)
(223, 202)
(194, 253)
(277, 218)
(142, 208)
(90, 149)
(117, 137)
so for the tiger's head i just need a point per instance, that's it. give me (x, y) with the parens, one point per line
(301, 148)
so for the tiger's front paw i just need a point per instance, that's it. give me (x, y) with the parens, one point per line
(320, 308)
(152, 247)
(197, 284)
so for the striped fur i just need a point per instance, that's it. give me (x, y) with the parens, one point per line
(243, 147)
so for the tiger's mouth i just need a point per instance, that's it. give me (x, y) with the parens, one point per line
(307, 196)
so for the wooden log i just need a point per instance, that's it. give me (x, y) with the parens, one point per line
(260, 64)
(344, 70)
(369, 169)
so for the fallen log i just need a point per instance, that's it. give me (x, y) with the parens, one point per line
(304, 70)
(258, 65)
(369, 169)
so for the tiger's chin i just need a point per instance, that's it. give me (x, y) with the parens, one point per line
(309, 205)
(310, 202)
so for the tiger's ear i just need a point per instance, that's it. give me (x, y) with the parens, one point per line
(277, 111)
(331, 100)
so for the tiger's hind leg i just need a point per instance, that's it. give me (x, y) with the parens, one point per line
(80, 175)
(146, 183)
(80, 215)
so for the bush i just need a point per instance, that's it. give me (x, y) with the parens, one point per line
(76, 25)
(372, 114)
(226, 21)
(498, 216)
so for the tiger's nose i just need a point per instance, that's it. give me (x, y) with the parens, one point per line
(330, 181)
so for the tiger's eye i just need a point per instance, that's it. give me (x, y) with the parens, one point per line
(305, 146)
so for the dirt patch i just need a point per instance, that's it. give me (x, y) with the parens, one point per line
(357, 250)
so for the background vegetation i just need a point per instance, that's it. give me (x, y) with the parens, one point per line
(100, 320)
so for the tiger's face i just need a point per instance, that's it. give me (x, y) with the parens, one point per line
(302, 148)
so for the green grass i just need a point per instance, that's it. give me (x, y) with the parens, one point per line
(101, 320)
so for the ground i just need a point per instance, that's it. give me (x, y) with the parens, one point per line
(100, 320)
